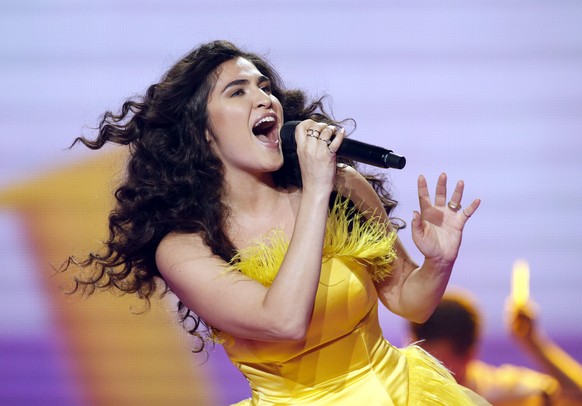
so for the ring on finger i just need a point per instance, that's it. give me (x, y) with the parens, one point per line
(327, 142)
(312, 132)
(454, 206)
(465, 213)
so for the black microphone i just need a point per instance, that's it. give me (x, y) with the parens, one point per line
(352, 149)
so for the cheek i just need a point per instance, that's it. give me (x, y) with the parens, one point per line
(218, 121)
(221, 112)
(277, 105)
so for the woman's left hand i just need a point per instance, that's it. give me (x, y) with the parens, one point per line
(437, 229)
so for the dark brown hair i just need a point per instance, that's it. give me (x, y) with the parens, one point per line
(174, 181)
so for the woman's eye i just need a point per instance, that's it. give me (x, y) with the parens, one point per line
(237, 93)
(266, 89)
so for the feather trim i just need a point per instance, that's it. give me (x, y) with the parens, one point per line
(348, 235)
(431, 384)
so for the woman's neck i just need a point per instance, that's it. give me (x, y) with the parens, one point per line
(248, 194)
(258, 207)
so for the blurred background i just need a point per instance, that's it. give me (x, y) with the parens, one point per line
(487, 91)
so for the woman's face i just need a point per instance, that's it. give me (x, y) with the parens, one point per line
(244, 119)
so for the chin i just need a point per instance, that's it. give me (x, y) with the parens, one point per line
(275, 166)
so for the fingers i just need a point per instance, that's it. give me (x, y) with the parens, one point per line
(441, 196)
(441, 193)
(335, 142)
(311, 130)
(416, 223)
(423, 196)
(319, 135)
(468, 211)
(441, 190)
(455, 202)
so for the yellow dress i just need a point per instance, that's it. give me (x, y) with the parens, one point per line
(344, 358)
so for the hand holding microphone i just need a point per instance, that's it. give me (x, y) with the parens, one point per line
(352, 149)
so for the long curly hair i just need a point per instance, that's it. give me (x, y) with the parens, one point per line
(174, 182)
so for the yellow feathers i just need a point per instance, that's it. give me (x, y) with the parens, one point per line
(262, 260)
(348, 235)
(431, 384)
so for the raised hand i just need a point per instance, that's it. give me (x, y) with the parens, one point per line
(522, 321)
(438, 228)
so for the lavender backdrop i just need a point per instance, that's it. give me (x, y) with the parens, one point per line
(488, 91)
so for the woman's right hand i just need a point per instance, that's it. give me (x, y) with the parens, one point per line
(317, 144)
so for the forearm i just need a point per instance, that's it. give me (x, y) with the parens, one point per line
(291, 296)
(422, 290)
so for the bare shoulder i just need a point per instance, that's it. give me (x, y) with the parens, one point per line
(347, 175)
(190, 268)
(205, 284)
(177, 252)
(353, 184)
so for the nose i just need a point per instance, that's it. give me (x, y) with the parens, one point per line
(262, 99)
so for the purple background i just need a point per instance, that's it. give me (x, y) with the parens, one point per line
(488, 91)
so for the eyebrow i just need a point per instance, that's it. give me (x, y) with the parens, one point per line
(238, 82)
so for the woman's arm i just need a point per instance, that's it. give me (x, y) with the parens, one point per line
(412, 291)
(238, 305)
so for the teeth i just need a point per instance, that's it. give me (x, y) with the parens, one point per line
(264, 120)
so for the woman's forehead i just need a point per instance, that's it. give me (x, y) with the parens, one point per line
(237, 67)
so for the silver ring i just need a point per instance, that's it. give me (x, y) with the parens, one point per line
(465, 213)
(453, 206)
(311, 133)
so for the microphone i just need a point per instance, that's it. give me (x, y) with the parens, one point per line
(352, 149)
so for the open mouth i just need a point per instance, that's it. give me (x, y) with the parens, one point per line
(266, 129)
